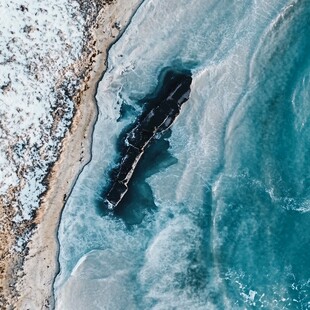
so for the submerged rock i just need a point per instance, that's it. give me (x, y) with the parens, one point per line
(157, 117)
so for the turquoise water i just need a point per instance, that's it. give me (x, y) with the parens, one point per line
(218, 216)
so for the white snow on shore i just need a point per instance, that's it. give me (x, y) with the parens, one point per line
(39, 41)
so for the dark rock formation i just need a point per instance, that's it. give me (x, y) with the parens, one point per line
(157, 117)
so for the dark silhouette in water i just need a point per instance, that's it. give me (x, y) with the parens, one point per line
(158, 116)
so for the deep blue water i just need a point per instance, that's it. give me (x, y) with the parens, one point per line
(218, 215)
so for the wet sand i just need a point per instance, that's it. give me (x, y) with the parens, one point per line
(40, 267)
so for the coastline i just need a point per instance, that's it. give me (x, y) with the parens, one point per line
(40, 267)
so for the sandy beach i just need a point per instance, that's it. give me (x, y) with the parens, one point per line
(33, 285)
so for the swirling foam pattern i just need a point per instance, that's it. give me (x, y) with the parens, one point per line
(231, 227)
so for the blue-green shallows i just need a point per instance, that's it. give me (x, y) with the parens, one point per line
(218, 215)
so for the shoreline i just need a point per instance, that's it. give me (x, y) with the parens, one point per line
(35, 287)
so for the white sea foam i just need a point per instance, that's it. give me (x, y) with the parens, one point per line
(218, 40)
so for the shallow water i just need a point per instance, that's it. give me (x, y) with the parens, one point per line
(219, 214)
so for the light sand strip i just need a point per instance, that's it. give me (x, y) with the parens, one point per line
(40, 266)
